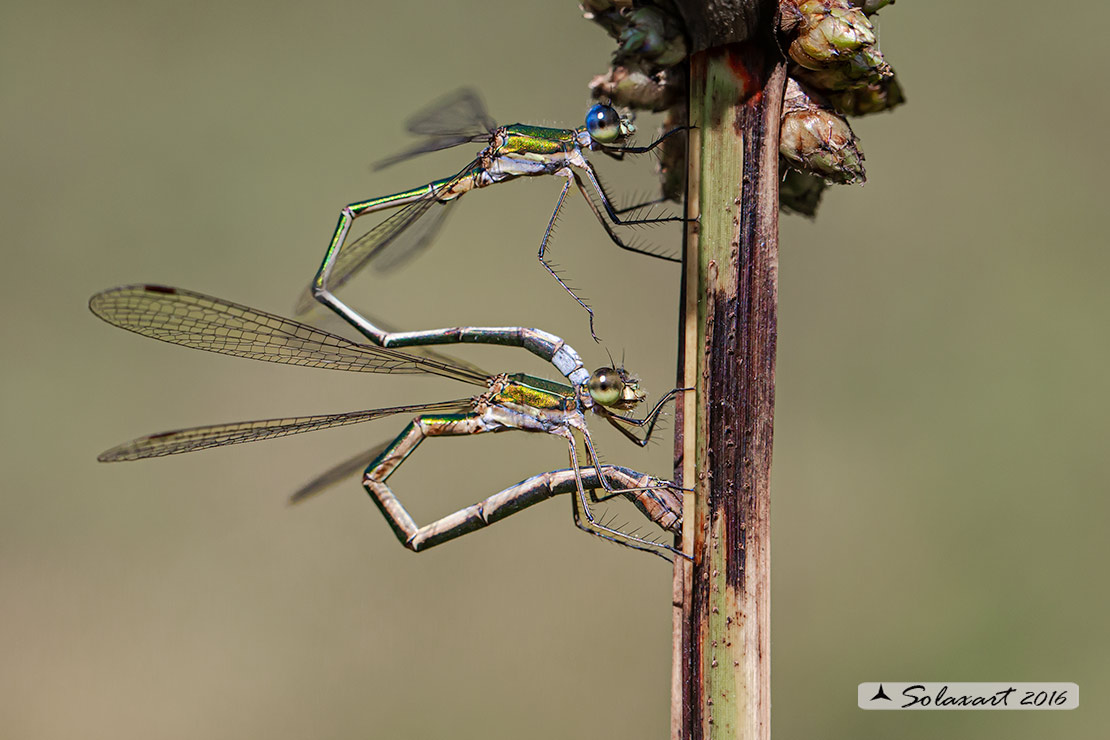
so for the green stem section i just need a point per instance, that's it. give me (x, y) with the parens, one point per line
(729, 356)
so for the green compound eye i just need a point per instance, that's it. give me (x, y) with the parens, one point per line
(606, 386)
(603, 123)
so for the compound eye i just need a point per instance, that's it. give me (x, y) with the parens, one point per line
(606, 386)
(603, 123)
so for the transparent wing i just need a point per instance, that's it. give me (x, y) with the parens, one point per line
(220, 435)
(413, 240)
(458, 112)
(346, 469)
(402, 234)
(457, 118)
(202, 322)
(428, 145)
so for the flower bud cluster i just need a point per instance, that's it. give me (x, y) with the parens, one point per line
(836, 70)
(815, 139)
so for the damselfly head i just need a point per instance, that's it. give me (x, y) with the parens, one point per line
(606, 126)
(615, 388)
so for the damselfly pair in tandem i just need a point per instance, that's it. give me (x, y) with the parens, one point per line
(511, 152)
(508, 402)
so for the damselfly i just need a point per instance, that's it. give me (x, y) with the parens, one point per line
(514, 151)
(515, 401)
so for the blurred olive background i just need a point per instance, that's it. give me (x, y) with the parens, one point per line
(940, 476)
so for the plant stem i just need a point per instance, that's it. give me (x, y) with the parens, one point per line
(721, 686)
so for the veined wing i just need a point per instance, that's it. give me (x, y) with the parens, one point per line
(413, 240)
(457, 118)
(220, 435)
(202, 322)
(340, 472)
(400, 233)
(458, 112)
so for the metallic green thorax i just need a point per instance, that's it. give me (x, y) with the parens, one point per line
(537, 140)
(540, 393)
(535, 143)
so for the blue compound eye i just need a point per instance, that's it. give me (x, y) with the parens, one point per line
(603, 123)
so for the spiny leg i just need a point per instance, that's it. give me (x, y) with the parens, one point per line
(613, 214)
(584, 518)
(607, 226)
(649, 147)
(543, 249)
(591, 452)
(649, 420)
(659, 500)
(644, 204)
